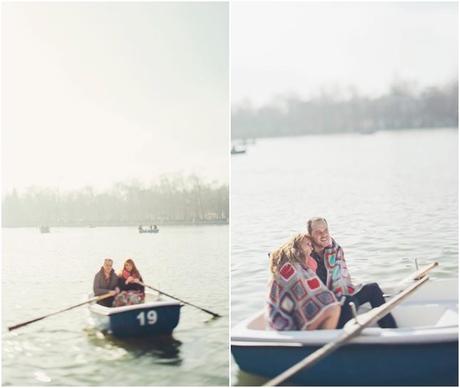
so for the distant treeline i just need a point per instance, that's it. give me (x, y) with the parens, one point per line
(400, 108)
(173, 200)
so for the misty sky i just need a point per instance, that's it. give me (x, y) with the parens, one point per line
(95, 93)
(300, 48)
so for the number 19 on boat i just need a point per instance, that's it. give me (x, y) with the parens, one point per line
(151, 315)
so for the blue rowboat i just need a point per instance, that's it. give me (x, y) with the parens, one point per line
(154, 317)
(423, 350)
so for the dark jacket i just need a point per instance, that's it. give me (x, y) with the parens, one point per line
(130, 286)
(102, 286)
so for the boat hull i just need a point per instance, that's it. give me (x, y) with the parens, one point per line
(141, 320)
(422, 351)
(357, 364)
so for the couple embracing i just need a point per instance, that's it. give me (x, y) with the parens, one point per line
(310, 287)
(125, 288)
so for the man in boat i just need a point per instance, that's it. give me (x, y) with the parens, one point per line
(106, 281)
(333, 272)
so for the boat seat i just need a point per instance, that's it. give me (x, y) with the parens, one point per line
(448, 318)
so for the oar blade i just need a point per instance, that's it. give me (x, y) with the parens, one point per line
(97, 298)
(14, 327)
(215, 315)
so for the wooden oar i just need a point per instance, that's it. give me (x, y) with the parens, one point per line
(215, 315)
(419, 273)
(351, 330)
(95, 299)
(411, 278)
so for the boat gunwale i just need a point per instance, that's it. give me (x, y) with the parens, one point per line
(108, 311)
(241, 333)
(420, 336)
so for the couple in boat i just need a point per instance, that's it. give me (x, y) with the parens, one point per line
(310, 287)
(125, 287)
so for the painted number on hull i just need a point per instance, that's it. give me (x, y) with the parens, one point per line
(150, 318)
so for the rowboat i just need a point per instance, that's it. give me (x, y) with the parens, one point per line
(44, 229)
(157, 316)
(423, 350)
(238, 150)
(147, 230)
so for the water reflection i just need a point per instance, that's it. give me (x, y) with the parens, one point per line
(164, 349)
(247, 379)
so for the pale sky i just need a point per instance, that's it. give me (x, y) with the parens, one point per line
(94, 93)
(283, 48)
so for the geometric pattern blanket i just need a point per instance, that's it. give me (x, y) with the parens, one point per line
(296, 298)
(338, 277)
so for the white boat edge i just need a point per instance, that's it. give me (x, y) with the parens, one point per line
(103, 310)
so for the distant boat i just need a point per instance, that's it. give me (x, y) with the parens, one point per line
(367, 131)
(151, 229)
(238, 150)
(44, 229)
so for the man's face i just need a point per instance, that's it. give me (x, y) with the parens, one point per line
(107, 265)
(320, 234)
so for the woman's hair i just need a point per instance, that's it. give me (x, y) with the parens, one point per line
(289, 252)
(134, 271)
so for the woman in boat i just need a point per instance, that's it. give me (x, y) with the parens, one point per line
(131, 291)
(106, 281)
(297, 298)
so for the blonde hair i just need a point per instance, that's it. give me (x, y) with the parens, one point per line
(289, 252)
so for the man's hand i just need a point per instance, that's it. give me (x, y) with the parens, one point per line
(115, 291)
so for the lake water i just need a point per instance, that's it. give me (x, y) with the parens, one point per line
(389, 197)
(43, 273)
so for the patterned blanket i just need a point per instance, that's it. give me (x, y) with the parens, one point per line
(338, 278)
(297, 297)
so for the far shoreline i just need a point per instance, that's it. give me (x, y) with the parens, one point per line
(251, 140)
(136, 225)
